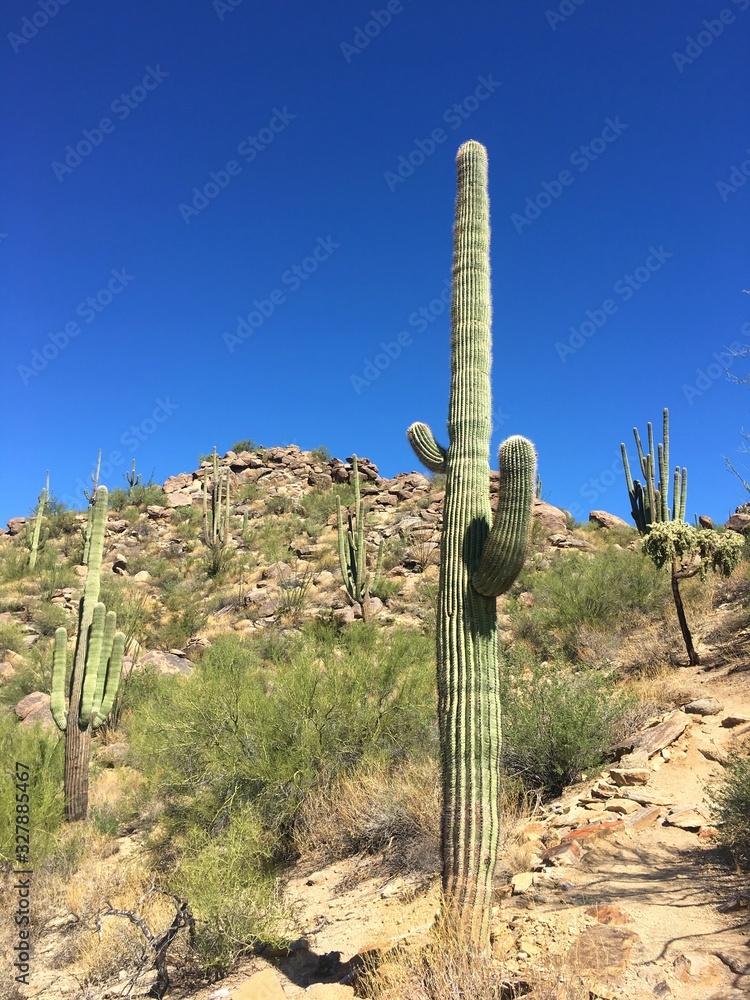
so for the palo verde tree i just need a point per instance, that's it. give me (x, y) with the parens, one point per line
(668, 538)
(97, 662)
(480, 559)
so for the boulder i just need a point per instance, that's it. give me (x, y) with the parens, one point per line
(703, 706)
(737, 522)
(606, 520)
(552, 518)
(35, 708)
(165, 663)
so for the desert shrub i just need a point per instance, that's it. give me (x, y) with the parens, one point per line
(730, 803)
(246, 444)
(557, 723)
(244, 731)
(42, 753)
(229, 882)
(14, 563)
(601, 590)
(321, 454)
(63, 522)
(119, 499)
(384, 589)
(373, 809)
(48, 617)
(11, 638)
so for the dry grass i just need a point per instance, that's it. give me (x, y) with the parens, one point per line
(444, 970)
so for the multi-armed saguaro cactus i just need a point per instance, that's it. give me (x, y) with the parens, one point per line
(649, 504)
(216, 505)
(38, 525)
(97, 663)
(668, 537)
(353, 550)
(480, 559)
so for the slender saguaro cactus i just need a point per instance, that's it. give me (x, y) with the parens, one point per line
(353, 551)
(91, 497)
(38, 525)
(216, 505)
(480, 559)
(97, 664)
(649, 504)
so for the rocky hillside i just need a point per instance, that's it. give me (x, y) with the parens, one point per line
(615, 889)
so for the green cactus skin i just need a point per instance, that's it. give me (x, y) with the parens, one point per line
(38, 525)
(479, 560)
(216, 505)
(649, 504)
(353, 550)
(91, 497)
(97, 666)
(132, 479)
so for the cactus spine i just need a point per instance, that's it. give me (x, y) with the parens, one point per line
(479, 560)
(97, 664)
(353, 550)
(38, 525)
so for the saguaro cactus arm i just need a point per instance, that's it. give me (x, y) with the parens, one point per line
(428, 451)
(59, 668)
(508, 542)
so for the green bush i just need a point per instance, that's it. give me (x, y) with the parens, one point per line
(601, 590)
(243, 731)
(11, 638)
(730, 803)
(321, 454)
(247, 444)
(42, 752)
(49, 617)
(229, 882)
(557, 723)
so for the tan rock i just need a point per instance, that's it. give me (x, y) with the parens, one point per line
(35, 708)
(629, 775)
(704, 706)
(329, 991)
(603, 949)
(262, 986)
(643, 818)
(567, 853)
(552, 518)
(606, 520)
(699, 968)
(522, 882)
(601, 829)
(655, 738)
(688, 817)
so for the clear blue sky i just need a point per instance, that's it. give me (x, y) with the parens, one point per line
(171, 167)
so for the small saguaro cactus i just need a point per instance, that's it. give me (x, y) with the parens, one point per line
(353, 551)
(38, 525)
(132, 479)
(668, 538)
(480, 559)
(97, 664)
(216, 505)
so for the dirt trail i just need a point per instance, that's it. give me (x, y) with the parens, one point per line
(642, 912)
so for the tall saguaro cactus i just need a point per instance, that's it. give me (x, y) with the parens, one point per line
(97, 663)
(480, 559)
(353, 551)
(43, 497)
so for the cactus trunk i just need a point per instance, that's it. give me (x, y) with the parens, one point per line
(479, 561)
(97, 663)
